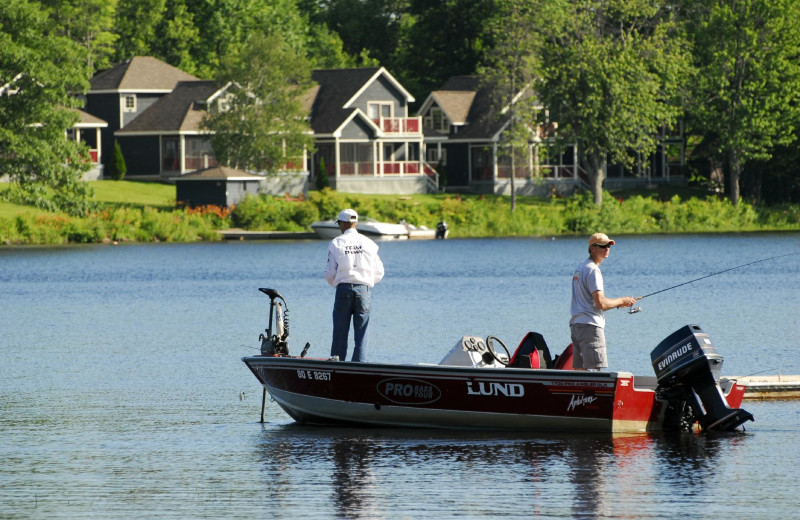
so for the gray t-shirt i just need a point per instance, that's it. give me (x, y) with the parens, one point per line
(586, 280)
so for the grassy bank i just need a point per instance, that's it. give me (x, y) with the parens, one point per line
(145, 212)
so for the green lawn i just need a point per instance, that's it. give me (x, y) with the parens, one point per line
(123, 193)
(130, 193)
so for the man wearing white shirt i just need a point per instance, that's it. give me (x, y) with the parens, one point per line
(354, 267)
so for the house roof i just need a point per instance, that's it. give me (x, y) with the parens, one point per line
(180, 111)
(220, 173)
(139, 74)
(467, 102)
(455, 104)
(87, 120)
(337, 91)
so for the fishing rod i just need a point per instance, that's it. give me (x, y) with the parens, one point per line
(634, 310)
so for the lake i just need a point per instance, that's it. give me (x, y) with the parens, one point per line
(123, 394)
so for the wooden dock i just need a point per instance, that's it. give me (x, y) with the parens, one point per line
(770, 387)
(240, 234)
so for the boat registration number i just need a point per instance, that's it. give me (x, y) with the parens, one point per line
(313, 374)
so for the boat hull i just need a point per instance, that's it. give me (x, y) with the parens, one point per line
(329, 229)
(318, 391)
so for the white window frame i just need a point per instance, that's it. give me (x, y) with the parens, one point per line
(129, 103)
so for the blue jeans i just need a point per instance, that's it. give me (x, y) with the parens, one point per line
(351, 300)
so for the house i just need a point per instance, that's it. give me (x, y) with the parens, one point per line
(120, 94)
(88, 130)
(364, 135)
(465, 143)
(218, 186)
(166, 140)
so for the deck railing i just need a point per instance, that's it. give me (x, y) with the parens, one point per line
(400, 125)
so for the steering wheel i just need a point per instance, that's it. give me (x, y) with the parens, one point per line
(491, 350)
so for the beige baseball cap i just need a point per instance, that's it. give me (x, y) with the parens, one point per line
(600, 239)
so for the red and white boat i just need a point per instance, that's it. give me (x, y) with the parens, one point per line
(476, 387)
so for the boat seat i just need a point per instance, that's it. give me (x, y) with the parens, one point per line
(532, 352)
(564, 361)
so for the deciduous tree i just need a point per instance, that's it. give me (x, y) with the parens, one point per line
(610, 73)
(746, 96)
(261, 123)
(38, 80)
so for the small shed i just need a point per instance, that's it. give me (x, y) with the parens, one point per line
(218, 186)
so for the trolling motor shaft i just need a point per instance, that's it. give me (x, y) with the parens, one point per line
(275, 344)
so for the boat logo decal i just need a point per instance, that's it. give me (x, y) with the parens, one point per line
(678, 352)
(495, 389)
(409, 391)
(580, 400)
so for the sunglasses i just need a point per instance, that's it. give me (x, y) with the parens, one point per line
(602, 247)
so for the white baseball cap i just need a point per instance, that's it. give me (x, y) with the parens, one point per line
(348, 215)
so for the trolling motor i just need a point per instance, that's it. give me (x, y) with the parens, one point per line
(275, 344)
(687, 367)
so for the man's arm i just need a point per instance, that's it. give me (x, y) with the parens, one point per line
(604, 304)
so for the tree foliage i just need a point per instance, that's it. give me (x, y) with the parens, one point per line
(610, 73)
(37, 79)
(746, 97)
(261, 123)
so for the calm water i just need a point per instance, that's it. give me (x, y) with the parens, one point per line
(122, 393)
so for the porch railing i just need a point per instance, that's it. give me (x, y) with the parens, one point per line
(400, 125)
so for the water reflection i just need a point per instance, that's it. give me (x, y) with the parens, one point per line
(369, 473)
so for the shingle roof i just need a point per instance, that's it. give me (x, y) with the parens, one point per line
(336, 87)
(181, 110)
(220, 172)
(140, 73)
(456, 104)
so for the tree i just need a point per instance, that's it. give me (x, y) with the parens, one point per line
(746, 98)
(37, 79)
(444, 38)
(509, 75)
(136, 26)
(261, 123)
(118, 168)
(610, 74)
(89, 23)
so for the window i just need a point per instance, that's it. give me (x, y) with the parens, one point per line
(380, 109)
(436, 120)
(129, 103)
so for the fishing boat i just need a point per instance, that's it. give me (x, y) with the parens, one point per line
(481, 385)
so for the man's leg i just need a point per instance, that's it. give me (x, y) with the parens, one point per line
(361, 306)
(342, 310)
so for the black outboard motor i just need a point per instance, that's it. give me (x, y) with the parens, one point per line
(687, 367)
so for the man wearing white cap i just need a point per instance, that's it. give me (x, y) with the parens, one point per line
(588, 305)
(354, 267)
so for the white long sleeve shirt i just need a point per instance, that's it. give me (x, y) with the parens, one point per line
(353, 258)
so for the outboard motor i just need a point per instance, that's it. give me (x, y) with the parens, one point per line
(687, 367)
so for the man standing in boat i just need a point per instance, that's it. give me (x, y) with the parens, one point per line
(589, 303)
(354, 267)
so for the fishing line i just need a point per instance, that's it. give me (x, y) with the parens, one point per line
(639, 309)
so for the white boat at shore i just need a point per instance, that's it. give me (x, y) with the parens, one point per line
(329, 229)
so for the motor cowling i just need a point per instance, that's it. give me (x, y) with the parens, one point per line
(687, 367)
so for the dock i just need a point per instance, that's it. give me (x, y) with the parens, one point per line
(770, 387)
(241, 234)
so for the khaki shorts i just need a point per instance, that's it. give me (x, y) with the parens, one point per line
(588, 347)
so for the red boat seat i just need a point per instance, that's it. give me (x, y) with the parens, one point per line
(532, 352)
(564, 361)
